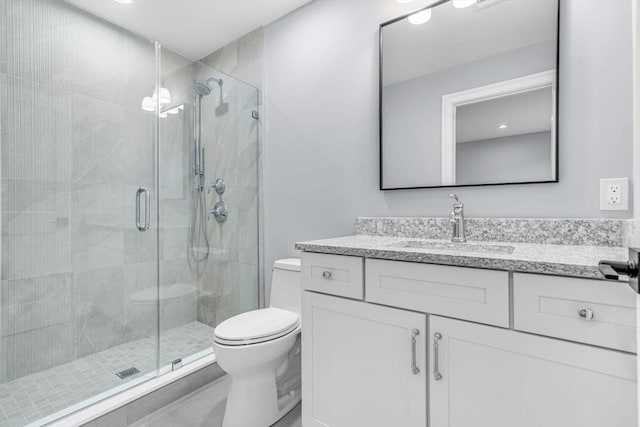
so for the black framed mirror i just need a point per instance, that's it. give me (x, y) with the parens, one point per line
(469, 94)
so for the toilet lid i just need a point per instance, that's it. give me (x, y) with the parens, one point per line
(256, 326)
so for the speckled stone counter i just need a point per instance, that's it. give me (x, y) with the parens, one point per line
(554, 231)
(559, 260)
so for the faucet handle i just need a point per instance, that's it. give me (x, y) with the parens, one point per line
(457, 202)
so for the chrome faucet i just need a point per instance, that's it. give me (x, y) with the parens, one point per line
(457, 220)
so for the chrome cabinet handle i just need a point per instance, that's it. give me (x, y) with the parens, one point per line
(436, 373)
(585, 313)
(142, 227)
(414, 350)
(327, 275)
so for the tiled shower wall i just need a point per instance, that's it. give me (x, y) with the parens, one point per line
(228, 282)
(75, 147)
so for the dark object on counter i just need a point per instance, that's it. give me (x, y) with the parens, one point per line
(612, 270)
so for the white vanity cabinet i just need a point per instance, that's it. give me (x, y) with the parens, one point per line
(363, 365)
(582, 310)
(464, 293)
(503, 349)
(494, 377)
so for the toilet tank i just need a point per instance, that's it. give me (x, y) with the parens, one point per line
(286, 285)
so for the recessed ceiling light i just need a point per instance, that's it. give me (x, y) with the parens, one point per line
(461, 4)
(124, 1)
(421, 17)
(502, 126)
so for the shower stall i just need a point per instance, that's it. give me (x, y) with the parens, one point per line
(119, 160)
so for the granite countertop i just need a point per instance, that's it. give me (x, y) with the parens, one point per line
(559, 260)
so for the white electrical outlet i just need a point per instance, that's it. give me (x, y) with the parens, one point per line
(614, 194)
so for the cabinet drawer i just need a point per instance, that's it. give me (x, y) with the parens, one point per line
(549, 305)
(464, 293)
(333, 274)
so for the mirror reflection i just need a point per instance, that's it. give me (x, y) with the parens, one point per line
(464, 101)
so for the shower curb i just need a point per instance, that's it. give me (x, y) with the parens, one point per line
(127, 412)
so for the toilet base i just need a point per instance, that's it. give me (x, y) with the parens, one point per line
(253, 402)
(265, 380)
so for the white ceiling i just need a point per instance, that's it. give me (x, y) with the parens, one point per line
(193, 28)
(523, 113)
(457, 36)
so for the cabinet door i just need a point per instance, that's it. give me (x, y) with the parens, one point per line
(363, 365)
(492, 377)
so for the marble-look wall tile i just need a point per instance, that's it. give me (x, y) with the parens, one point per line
(111, 143)
(35, 350)
(35, 303)
(35, 228)
(248, 226)
(219, 276)
(206, 308)
(215, 309)
(247, 147)
(217, 285)
(138, 247)
(36, 39)
(234, 136)
(174, 243)
(250, 50)
(139, 276)
(76, 146)
(241, 58)
(98, 68)
(247, 289)
(4, 43)
(38, 128)
(100, 305)
(224, 59)
(28, 290)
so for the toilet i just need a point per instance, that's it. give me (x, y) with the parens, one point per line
(260, 350)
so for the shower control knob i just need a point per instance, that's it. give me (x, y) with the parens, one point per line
(220, 212)
(219, 186)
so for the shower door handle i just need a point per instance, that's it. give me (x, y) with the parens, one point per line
(142, 227)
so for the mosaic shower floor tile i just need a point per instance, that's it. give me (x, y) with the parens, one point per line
(38, 395)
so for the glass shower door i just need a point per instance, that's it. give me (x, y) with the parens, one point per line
(209, 269)
(78, 289)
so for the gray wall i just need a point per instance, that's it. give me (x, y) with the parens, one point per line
(321, 105)
(412, 111)
(507, 159)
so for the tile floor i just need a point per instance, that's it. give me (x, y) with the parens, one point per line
(204, 408)
(35, 396)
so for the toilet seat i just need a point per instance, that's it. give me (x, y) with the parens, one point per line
(256, 326)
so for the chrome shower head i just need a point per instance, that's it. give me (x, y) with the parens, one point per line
(201, 88)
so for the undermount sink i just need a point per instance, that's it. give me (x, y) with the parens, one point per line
(452, 246)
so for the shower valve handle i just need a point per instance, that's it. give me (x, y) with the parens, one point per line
(219, 212)
(219, 186)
